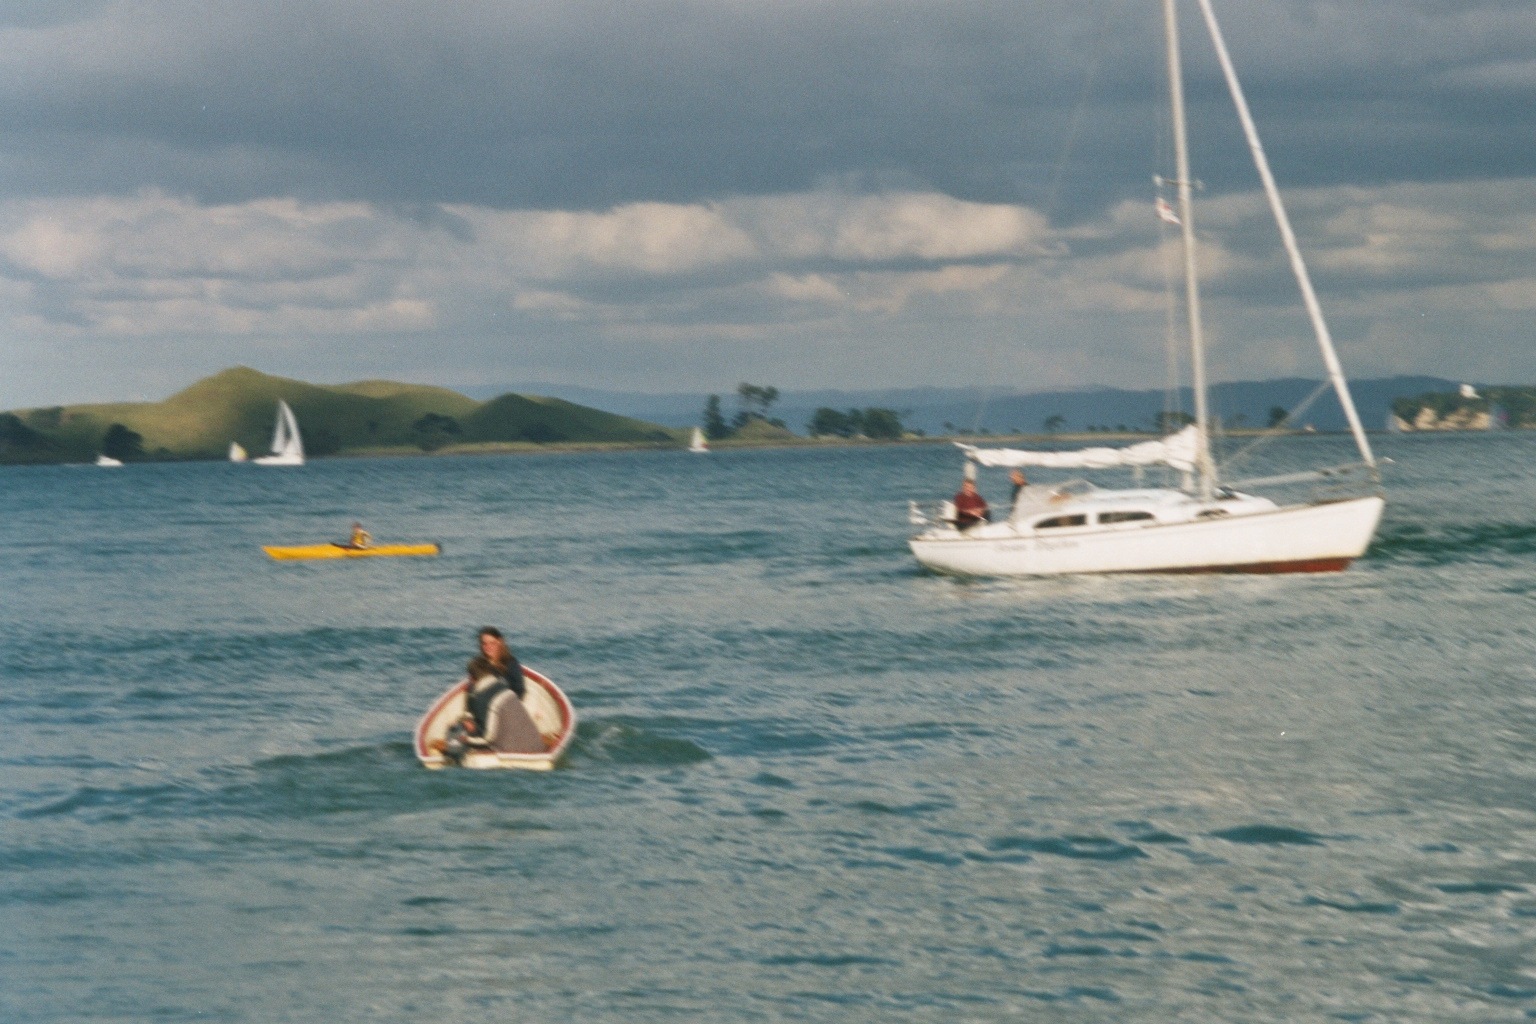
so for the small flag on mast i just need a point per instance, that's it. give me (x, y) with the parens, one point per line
(1165, 212)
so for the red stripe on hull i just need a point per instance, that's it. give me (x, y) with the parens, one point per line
(1270, 568)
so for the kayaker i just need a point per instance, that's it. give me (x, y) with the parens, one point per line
(361, 538)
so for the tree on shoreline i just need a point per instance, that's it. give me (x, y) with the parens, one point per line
(714, 423)
(875, 422)
(122, 444)
(755, 403)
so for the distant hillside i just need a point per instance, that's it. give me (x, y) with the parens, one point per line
(1008, 411)
(240, 404)
(1468, 408)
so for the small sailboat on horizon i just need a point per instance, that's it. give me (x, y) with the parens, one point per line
(236, 452)
(698, 444)
(287, 445)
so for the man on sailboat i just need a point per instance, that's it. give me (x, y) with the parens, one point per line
(970, 507)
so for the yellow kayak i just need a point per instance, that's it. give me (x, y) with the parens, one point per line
(347, 551)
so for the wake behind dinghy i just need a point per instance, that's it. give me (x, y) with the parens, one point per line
(532, 733)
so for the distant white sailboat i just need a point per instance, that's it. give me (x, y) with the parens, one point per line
(698, 444)
(107, 460)
(287, 446)
(237, 453)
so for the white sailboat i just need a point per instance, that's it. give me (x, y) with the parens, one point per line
(236, 452)
(698, 444)
(287, 446)
(1205, 525)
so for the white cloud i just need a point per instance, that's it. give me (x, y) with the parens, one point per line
(877, 270)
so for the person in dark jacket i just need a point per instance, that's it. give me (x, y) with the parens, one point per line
(492, 672)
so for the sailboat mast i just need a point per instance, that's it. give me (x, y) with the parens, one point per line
(1292, 249)
(1205, 466)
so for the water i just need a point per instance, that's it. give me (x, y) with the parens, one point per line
(811, 782)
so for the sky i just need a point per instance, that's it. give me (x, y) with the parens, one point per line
(673, 195)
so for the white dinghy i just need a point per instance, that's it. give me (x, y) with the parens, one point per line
(1205, 524)
(544, 706)
(287, 445)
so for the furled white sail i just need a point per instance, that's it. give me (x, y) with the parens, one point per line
(1176, 450)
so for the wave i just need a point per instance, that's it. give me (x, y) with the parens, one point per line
(1442, 544)
(1020, 848)
(620, 742)
(1352, 906)
(380, 779)
(1269, 835)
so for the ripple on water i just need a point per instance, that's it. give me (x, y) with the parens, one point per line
(1093, 848)
(1451, 543)
(1268, 835)
(628, 742)
(1352, 906)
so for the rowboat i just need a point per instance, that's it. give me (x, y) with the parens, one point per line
(338, 550)
(547, 707)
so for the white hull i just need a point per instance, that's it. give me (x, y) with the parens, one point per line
(107, 460)
(1323, 537)
(449, 708)
(279, 460)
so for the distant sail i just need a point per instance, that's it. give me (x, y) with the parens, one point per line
(698, 444)
(287, 446)
(237, 453)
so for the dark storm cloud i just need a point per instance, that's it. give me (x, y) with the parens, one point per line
(589, 104)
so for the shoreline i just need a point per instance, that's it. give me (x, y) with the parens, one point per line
(755, 444)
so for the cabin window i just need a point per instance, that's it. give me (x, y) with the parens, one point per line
(1212, 513)
(1058, 521)
(1123, 517)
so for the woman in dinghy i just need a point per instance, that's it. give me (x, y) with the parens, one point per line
(494, 715)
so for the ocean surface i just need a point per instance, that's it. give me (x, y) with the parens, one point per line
(811, 782)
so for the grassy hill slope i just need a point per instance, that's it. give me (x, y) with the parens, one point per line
(240, 405)
(544, 420)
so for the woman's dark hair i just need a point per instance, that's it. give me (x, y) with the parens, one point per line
(491, 631)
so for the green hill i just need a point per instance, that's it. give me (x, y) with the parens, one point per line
(240, 404)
